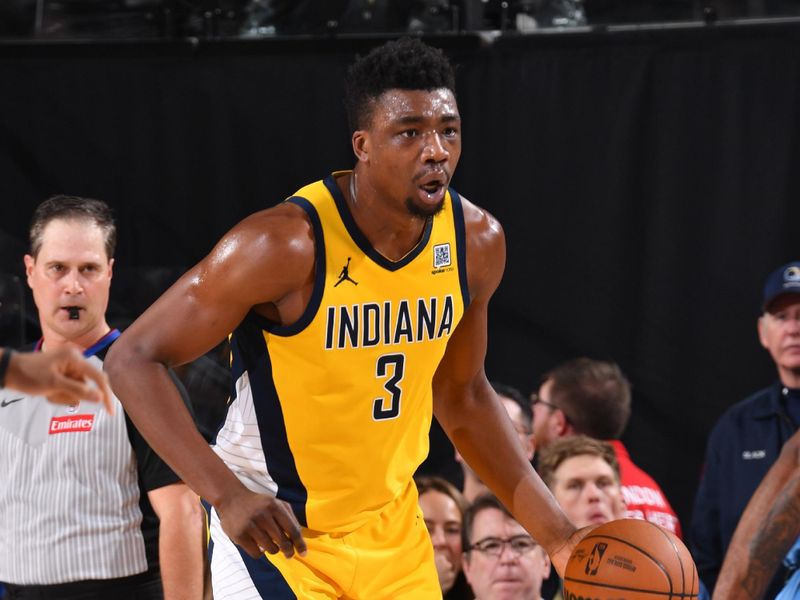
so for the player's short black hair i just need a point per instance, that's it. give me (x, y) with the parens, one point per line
(73, 208)
(404, 64)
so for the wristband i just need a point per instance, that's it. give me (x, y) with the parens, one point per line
(4, 360)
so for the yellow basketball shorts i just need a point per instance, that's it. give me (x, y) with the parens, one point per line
(388, 558)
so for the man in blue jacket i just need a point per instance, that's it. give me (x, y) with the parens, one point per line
(748, 438)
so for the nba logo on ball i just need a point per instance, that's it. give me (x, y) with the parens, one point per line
(630, 559)
(594, 558)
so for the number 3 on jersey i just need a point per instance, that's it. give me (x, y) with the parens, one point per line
(391, 366)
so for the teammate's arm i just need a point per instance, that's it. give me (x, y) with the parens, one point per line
(471, 414)
(63, 375)
(769, 526)
(260, 263)
(180, 540)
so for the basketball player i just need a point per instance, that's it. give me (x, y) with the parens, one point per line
(63, 376)
(358, 308)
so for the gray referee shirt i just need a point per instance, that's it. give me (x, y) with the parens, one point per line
(69, 492)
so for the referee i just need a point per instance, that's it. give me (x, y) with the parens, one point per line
(87, 509)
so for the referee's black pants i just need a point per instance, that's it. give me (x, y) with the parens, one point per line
(145, 586)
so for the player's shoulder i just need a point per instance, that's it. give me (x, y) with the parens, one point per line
(284, 220)
(480, 225)
(284, 229)
(277, 241)
(486, 249)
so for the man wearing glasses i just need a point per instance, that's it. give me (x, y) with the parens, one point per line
(501, 561)
(593, 397)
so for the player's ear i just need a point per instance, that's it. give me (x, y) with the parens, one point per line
(361, 145)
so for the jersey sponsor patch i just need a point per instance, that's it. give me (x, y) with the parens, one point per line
(441, 256)
(71, 423)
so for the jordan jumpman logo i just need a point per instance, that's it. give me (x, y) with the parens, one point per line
(344, 275)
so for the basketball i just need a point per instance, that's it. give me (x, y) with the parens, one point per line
(630, 559)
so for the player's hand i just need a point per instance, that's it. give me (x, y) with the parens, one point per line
(445, 570)
(261, 523)
(63, 375)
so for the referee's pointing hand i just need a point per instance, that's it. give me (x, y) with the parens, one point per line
(63, 375)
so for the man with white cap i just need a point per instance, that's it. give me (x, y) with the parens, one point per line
(748, 438)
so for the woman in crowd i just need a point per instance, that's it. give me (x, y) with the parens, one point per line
(443, 508)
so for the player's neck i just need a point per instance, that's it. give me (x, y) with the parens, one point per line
(390, 228)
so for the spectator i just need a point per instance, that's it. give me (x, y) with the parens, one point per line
(519, 411)
(443, 509)
(87, 510)
(501, 560)
(748, 437)
(583, 475)
(593, 398)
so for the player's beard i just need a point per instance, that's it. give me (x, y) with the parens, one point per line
(423, 211)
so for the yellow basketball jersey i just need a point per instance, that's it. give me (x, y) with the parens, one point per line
(342, 398)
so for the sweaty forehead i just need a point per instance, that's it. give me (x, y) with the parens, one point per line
(396, 104)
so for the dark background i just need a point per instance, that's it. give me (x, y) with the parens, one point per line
(647, 181)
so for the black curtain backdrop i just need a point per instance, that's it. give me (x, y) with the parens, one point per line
(647, 181)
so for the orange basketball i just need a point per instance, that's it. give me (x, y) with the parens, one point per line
(630, 559)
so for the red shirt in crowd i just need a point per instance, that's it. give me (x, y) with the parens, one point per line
(643, 498)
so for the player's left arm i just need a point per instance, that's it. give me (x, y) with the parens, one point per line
(769, 526)
(180, 540)
(469, 411)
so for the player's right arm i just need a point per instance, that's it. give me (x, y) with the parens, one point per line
(768, 528)
(265, 263)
